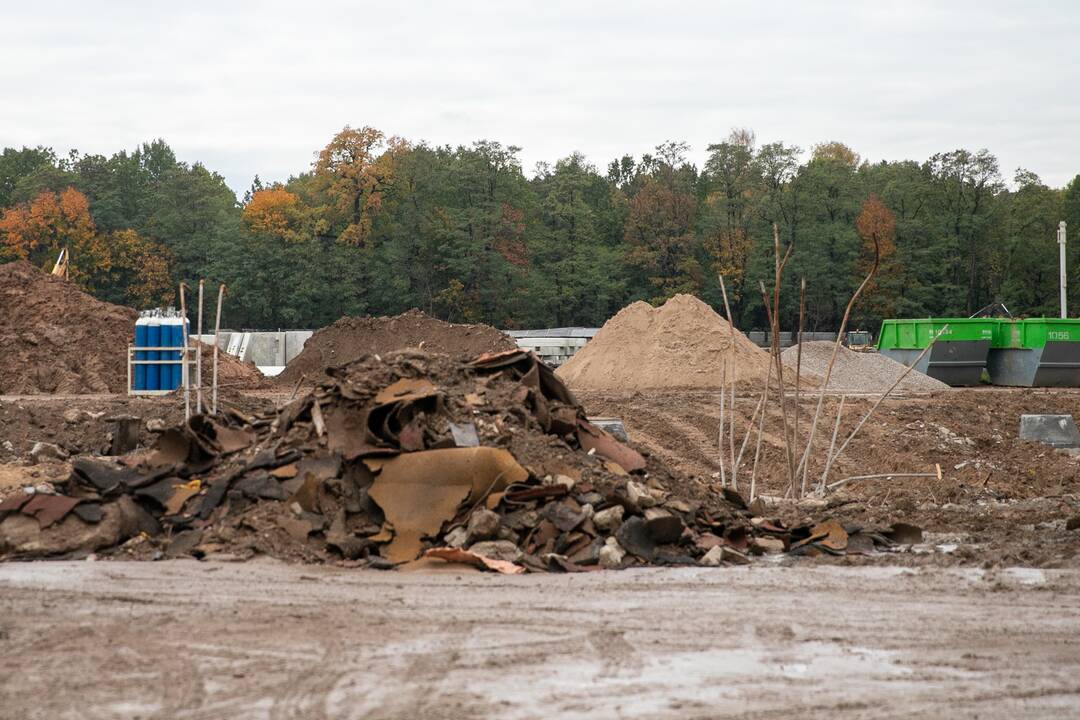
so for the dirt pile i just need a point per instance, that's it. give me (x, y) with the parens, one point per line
(683, 343)
(349, 338)
(56, 338)
(405, 459)
(857, 372)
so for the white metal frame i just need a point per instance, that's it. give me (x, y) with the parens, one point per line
(132, 362)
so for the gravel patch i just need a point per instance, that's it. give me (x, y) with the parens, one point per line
(857, 372)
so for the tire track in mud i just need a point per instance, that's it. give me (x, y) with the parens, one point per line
(682, 444)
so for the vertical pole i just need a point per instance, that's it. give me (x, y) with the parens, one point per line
(1061, 266)
(198, 356)
(184, 370)
(217, 330)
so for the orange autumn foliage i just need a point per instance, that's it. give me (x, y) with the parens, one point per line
(354, 171)
(38, 230)
(276, 212)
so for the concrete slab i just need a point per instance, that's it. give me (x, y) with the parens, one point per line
(1054, 430)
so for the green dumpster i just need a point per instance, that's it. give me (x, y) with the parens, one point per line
(1036, 352)
(958, 357)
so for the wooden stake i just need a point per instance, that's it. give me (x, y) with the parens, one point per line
(217, 331)
(734, 381)
(185, 371)
(198, 356)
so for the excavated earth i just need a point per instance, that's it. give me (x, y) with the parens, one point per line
(352, 337)
(59, 340)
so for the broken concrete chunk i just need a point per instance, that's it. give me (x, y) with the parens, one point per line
(612, 554)
(767, 545)
(497, 550)
(634, 538)
(663, 527)
(44, 452)
(639, 495)
(457, 538)
(609, 520)
(483, 525)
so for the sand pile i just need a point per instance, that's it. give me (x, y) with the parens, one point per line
(349, 338)
(56, 339)
(683, 343)
(858, 372)
(412, 458)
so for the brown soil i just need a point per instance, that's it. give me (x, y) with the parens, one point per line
(1000, 499)
(60, 340)
(683, 343)
(349, 338)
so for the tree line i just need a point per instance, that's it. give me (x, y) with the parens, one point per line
(378, 225)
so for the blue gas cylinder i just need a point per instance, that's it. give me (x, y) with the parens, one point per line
(138, 381)
(153, 339)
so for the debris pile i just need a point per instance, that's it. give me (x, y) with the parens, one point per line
(60, 340)
(411, 458)
(350, 338)
(858, 372)
(683, 343)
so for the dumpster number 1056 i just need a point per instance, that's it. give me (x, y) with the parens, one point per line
(1058, 335)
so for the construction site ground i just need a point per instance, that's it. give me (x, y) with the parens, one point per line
(259, 640)
(978, 620)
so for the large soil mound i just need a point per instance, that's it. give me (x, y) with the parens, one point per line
(56, 339)
(349, 338)
(683, 343)
(858, 372)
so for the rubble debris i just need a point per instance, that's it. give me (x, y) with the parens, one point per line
(350, 338)
(367, 469)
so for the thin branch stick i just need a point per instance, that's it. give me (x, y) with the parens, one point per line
(185, 371)
(734, 380)
(198, 356)
(779, 264)
(749, 431)
(720, 434)
(770, 317)
(832, 443)
(832, 458)
(217, 331)
(761, 423)
(832, 359)
(846, 480)
(798, 360)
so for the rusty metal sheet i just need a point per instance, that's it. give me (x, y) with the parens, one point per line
(181, 493)
(347, 433)
(48, 509)
(520, 494)
(606, 446)
(420, 491)
(406, 390)
(455, 555)
(494, 360)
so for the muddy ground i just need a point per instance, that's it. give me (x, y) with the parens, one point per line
(263, 640)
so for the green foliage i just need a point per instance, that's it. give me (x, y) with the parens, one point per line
(379, 225)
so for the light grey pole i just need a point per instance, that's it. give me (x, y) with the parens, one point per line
(1061, 265)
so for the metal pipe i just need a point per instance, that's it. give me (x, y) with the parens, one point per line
(198, 355)
(184, 378)
(217, 331)
(1061, 266)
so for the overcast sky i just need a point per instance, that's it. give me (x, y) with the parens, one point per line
(258, 88)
